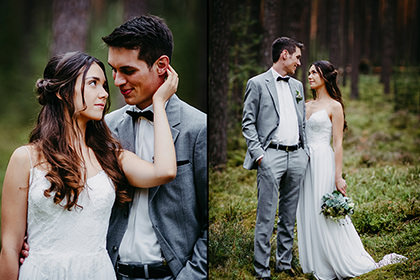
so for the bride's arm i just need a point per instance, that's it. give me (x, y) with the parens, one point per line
(337, 130)
(13, 213)
(144, 174)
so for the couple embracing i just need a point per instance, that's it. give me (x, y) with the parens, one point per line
(289, 145)
(97, 207)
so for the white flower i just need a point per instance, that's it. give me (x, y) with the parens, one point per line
(298, 96)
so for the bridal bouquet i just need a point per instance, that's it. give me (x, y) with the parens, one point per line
(336, 206)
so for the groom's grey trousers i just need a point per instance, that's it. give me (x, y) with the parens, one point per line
(279, 177)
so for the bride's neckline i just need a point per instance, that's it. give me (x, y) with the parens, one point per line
(91, 177)
(316, 113)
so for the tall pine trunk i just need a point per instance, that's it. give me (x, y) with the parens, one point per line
(133, 8)
(270, 20)
(388, 44)
(218, 82)
(355, 51)
(70, 25)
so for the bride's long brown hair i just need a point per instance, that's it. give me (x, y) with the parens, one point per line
(56, 127)
(328, 73)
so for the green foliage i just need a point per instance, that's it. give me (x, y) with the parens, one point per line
(407, 89)
(381, 164)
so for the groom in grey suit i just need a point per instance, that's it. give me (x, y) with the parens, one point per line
(162, 233)
(273, 125)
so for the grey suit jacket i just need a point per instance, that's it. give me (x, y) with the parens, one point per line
(261, 115)
(178, 210)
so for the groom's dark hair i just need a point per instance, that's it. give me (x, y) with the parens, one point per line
(148, 34)
(284, 43)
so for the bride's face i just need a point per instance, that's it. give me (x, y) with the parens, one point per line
(95, 94)
(315, 79)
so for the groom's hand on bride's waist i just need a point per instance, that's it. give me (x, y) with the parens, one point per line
(24, 253)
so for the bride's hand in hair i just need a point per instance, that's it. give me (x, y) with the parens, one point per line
(169, 87)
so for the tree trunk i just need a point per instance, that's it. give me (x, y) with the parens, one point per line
(70, 25)
(322, 23)
(388, 46)
(244, 34)
(133, 8)
(305, 36)
(355, 56)
(333, 31)
(345, 57)
(218, 82)
(269, 19)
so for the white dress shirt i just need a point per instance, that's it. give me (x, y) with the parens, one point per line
(287, 132)
(140, 243)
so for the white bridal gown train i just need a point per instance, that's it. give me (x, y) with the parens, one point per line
(328, 249)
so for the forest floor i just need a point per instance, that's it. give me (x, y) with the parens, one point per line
(381, 164)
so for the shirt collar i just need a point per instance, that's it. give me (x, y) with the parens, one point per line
(134, 108)
(276, 74)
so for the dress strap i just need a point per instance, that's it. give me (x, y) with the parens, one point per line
(29, 154)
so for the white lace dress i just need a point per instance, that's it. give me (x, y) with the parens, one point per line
(328, 249)
(68, 244)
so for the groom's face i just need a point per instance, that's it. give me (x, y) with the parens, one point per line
(135, 79)
(292, 61)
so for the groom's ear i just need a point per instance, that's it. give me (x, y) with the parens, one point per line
(284, 54)
(162, 64)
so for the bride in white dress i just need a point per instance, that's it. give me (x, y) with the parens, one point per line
(328, 249)
(60, 188)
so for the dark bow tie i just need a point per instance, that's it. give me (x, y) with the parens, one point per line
(280, 78)
(135, 115)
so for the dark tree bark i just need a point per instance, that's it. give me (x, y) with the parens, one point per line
(345, 41)
(244, 34)
(70, 25)
(322, 23)
(294, 15)
(333, 31)
(367, 27)
(356, 45)
(269, 19)
(218, 81)
(98, 9)
(305, 37)
(388, 43)
(133, 8)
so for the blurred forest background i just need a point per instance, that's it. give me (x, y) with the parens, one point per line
(31, 31)
(378, 37)
(374, 44)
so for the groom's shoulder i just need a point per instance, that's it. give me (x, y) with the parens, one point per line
(192, 115)
(296, 81)
(112, 117)
(256, 82)
(260, 77)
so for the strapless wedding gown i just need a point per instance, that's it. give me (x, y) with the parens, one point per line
(68, 244)
(328, 249)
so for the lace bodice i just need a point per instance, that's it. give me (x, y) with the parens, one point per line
(318, 128)
(64, 244)
(53, 229)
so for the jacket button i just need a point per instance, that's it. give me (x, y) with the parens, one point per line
(115, 248)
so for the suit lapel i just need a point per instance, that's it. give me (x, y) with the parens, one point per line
(271, 87)
(173, 112)
(126, 132)
(293, 93)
